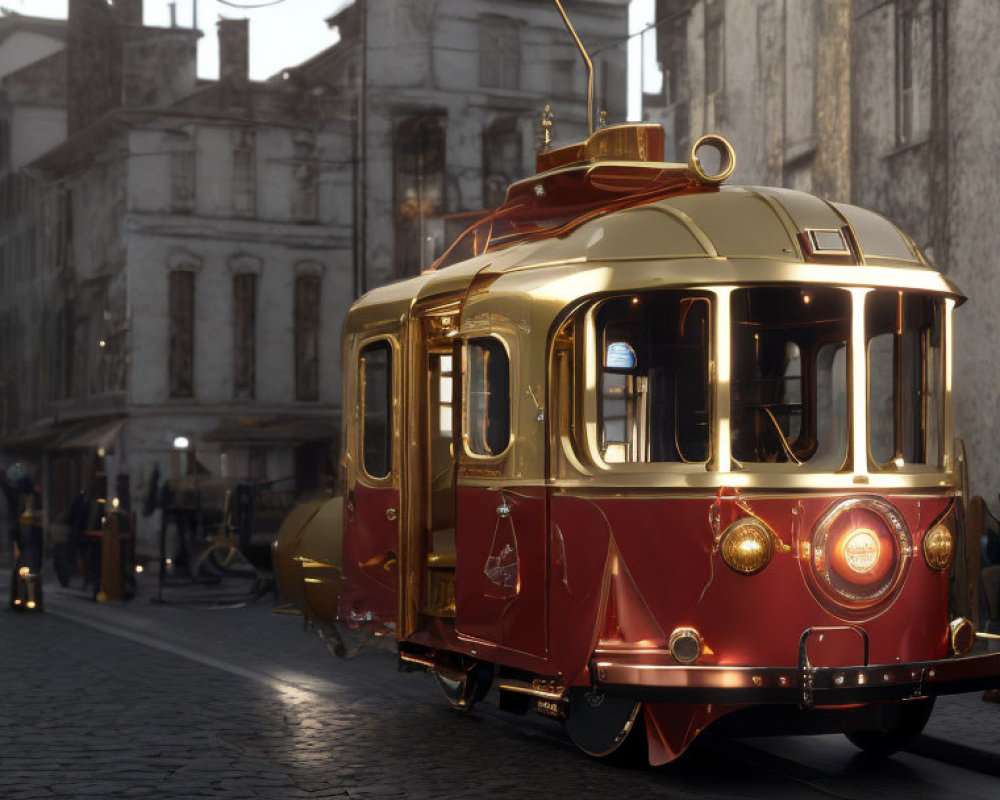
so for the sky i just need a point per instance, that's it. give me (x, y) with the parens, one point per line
(283, 33)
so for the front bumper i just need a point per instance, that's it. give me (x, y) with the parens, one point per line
(656, 677)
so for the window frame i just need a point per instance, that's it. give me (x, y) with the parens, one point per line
(592, 355)
(466, 404)
(939, 464)
(809, 466)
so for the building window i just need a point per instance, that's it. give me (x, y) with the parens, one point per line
(182, 182)
(614, 88)
(305, 175)
(419, 187)
(499, 53)
(244, 174)
(905, 95)
(714, 48)
(4, 145)
(245, 344)
(564, 77)
(376, 406)
(307, 337)
(487, 397)
(502, 160)
(181, 362)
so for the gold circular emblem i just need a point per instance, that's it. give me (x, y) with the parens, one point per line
(861, 551)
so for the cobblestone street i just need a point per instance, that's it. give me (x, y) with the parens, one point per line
(179, 701)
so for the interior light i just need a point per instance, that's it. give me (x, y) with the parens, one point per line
(181, 443)
(114, 502)
(101, 452)
(102, 343)
(806, 299)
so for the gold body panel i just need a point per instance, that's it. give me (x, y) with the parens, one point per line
(714, 241)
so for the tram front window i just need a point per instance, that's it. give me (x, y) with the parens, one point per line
(789, 376)
(654, 395)
(905, 378)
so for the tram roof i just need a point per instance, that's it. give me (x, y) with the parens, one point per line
(723, 236)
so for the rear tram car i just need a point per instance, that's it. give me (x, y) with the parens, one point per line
(649, 453)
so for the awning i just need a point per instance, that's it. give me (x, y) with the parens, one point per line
(275, 430)
(77, 435)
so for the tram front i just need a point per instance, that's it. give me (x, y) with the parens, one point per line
(769, 445)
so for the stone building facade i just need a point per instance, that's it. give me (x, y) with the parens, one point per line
(447, 96)
(190, 248)
(887, 104)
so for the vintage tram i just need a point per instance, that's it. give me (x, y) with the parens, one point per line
(650, 453)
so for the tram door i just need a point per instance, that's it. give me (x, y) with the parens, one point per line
(371, 533)
(440, 476)
(501, 531)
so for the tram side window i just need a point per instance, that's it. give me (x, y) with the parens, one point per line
(654, 392)
(789, 400)
(488, 397)
(905, 378)
(376, 380)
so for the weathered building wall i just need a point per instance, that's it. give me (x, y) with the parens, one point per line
(426, 60)
(973, 237)
(890, 105)
(771, 76)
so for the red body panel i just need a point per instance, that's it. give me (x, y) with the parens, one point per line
(666, 548)
(501, 568)
(371, 556)
(624, 572)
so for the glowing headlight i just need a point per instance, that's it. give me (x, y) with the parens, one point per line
(861, 551)
(747, 546)
(939, 544)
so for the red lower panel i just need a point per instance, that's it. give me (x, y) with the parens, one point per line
(627, 571)
(501, 569)
(370, 588)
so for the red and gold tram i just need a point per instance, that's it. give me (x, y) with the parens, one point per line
(650, 453)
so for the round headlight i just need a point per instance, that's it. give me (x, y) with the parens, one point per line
(747, 546)
(939, 545)
(860, 552)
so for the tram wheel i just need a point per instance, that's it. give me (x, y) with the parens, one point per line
(913, 716)
(466, 684)
(607, 728)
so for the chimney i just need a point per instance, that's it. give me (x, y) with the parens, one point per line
(234, 50)
(129, 11)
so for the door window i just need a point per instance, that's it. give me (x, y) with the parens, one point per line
(376, 383)
(488, 397)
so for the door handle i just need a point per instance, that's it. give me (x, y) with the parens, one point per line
(390, 514)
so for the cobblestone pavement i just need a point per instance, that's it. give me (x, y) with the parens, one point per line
(177, 701)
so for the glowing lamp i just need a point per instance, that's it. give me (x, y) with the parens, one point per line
(747, 546)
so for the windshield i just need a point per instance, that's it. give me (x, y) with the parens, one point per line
(905, 378)
(790, 375)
